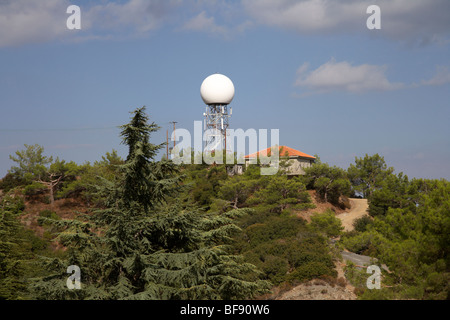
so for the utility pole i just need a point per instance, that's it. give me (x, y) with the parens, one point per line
(174, 138)
(167, 144)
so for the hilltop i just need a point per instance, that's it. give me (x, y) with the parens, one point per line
(276, 237)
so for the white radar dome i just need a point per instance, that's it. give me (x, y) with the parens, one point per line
(217, 89)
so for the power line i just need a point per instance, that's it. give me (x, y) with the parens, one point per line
(58, 129)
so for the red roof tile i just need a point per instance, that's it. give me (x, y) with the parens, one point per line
(283, 150)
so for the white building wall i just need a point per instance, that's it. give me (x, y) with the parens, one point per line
(296, 165)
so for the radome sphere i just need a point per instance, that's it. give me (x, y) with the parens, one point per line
(217, 89)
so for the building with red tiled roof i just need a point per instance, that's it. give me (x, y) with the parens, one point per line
(297, 160)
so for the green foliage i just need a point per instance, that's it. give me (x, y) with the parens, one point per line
(394, 192)
(280, 193)
(47, 214)
(275, 268)
(236, 190)
(329, 182)
(11, 285)
(311, 270)
(32, 164)
(83, 183)
(204, 182)
(367, 173)
(358, 278)
(283, 247)
(212, 236)
(18, 249)
(11, 181)
(273, 228)
(142, 247)
(327, 223)
(34, 188)
(39, 173)
(412, 241)
(362, 223)
(12, 203)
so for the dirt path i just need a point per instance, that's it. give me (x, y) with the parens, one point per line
(358, 209)
(317, 289)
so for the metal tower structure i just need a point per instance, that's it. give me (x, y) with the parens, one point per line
(217, 92)
(216, 123)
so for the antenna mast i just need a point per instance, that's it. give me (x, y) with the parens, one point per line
(174, 138)
(217, 92)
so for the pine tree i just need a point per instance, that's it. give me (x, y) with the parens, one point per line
(17, 255)
(141, 247)
(281, 193)
(10, 257)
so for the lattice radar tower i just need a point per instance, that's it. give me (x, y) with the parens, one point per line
(217, 92)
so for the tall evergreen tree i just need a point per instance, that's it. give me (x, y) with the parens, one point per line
(11, 256)
(141, 247)
(18, 247)
(367, 173)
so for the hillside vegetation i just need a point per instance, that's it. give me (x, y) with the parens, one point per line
(142, 228)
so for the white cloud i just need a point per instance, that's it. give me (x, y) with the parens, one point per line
(139, 15)
(23, 21)
(219, 18)
(205, 24)
(412, 20)
(305, 16)
(342, 76)
(26, 21)
(441, 77)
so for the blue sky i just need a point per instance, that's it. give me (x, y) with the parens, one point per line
(310, 68)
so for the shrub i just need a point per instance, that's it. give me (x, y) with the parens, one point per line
(280, 244)
(275, 269)
(10, 181)
(48, 236)
(274, 228)
(362, 243)
(46, 200)
(327, 223)
(382, 294)
(36, 243)
(14, 204)
(311, 270)
(47, 214)
(276, 257)
(34, 189)
(362, 223)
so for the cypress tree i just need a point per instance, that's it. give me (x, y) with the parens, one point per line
(140, 246)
